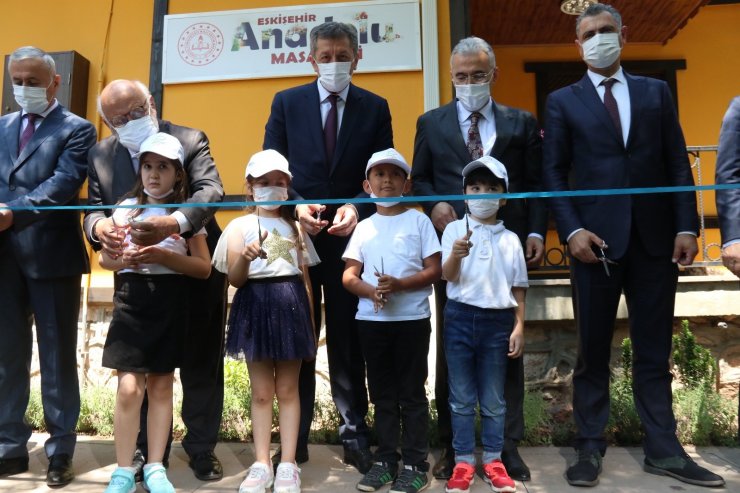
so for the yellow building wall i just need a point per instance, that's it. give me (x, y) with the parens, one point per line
(233, 113)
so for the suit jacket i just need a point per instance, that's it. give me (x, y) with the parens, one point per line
(295, 130)
(583, 150)
(111, 176)
(728, 171)
(48, 172)
(440, 154)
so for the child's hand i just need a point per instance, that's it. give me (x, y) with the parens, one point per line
(379, 301)
(254, 250)
(516, 343)
(461, 246)
(145, 255)
(387, 284)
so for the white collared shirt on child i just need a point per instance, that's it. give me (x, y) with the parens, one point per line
(495, 265)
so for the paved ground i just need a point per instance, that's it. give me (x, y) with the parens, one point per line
(95, 460)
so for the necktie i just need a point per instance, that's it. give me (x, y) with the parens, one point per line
(475, 146)
(611, 104)
(330, 130)
(28, 131)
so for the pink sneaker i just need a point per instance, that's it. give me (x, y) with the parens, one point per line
(287, 478)
(494, 473)
(463, 476)
(259, 478)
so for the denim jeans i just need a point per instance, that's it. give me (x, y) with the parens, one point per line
(476, 347)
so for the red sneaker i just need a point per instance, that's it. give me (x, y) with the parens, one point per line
(494, 473)
(462, 477)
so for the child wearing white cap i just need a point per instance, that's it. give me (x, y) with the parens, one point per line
(144, 341)
(486, 275)
(266, 257)
(391, 262)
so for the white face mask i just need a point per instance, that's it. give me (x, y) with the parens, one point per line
(270, 194)
(31, 99)
(389, 203)
(483, 208)
(135, 132)
(334, 76)
(602, 50)
(159, 196)
(473, 96)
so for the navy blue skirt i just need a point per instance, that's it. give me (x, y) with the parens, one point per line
(270, 319)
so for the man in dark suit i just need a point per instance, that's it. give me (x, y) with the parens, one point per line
(43, 149)
(728, 201)
(446, 140)
(328, 129)
(129, 111)
(613, 130)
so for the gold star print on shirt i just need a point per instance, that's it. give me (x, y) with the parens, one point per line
(278, 247)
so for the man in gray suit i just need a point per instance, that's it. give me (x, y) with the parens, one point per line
(728, 201)
(43, 152)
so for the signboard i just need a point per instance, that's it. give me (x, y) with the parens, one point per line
(275, 42)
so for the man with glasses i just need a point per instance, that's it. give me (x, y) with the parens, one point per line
(447, 138)
(128, 110)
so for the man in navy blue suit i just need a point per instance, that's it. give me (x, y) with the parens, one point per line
(43, 153)
(328, 129)
(728, 201)
(612, 130)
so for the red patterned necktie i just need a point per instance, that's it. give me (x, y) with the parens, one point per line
(611, 103)
(475, 146)
(330, 129)
(28, 131)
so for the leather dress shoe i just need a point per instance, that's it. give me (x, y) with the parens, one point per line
(206, 466)
(515, 466)
(60, 471)
(14, 465)
(445, 464)
(361, 458)
(301, 457)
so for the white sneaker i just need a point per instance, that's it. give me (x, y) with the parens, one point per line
(287, 479)
(259, 478)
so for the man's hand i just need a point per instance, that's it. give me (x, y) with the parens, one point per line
(154, 229)
(309, 215)
(685, 249)
(442, 215)
(344, 221)
(110, 237)
(6, 217)
(535, 251)
(580, 243)
(731, 258)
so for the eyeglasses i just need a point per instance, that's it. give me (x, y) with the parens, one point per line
(474, 78)
(134, 114)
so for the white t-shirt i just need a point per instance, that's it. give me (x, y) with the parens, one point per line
(280, 246)
(173, 243)
(495, 265)
(399, 244)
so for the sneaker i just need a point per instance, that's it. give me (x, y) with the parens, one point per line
(410, 480)
(259, 478)
(155, 479)
(494, 473)
(463, 476)
(287, 479)
(684, 469)
(379, 475)
(585, 471)
(138, 463)
(121, 481)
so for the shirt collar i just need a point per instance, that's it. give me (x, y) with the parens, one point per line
(323, 93)
(496, 227)
(46, 112)
(486, 112)
(597, 79)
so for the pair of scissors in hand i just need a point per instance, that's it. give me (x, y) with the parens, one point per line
(263, 253)
(379, 274)
(467, 229)
(604, 260)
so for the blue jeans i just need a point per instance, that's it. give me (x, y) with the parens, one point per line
(476, 347)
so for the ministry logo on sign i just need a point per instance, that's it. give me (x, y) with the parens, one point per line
(200, 44)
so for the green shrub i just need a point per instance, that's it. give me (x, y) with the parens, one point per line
(695, 364)
(97, 407)
(538, 423)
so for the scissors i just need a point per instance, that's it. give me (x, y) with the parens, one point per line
(605, 261)
(263, 253)
(467, 228)
(381, 273)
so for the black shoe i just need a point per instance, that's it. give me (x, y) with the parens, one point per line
(301, 457)
(445, 464)
(206, 466)
(138, 463)
(410, 479)
(15, 465)
(361, 459)
(514, 464)
(60, 471)
(683, 468)
(379, 475)
(586, 470)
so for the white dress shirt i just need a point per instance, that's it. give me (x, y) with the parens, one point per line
(621, 93)
(486, 125)
(326, 105)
